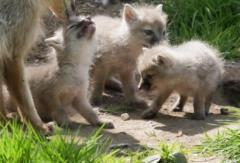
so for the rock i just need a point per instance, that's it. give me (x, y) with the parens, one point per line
(132, 147)
(179, 157)
(152, 159)
(120, 146)
(180, 133)
(125, 116)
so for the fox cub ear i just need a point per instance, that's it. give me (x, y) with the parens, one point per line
(160, 8)
(130, 14)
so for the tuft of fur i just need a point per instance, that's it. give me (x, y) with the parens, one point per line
(192, 69)
(64, 84)
(120, 42)
(19, 29)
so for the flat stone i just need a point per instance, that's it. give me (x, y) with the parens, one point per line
(125, 116)
(179, 157)
(152, 159)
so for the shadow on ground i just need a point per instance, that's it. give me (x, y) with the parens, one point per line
(168, 120)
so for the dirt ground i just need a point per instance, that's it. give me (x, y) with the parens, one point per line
(167, 126)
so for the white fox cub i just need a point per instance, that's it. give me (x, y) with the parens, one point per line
(65, 84)
(192, 69)
(120, 42)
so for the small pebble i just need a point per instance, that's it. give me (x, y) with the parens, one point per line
(152, 159)
(125, 116)
(180, 133)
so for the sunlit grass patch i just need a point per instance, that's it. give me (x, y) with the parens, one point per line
(233, 117)
(24, 144)
(225, 144)
(18, 144)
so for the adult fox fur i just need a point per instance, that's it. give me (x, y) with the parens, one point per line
(20, 26)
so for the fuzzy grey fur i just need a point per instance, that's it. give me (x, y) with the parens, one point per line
(120, 42)
(64, 83)
(192, 69)
(19, 29)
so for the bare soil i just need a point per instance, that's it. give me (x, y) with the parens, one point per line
(168, 126)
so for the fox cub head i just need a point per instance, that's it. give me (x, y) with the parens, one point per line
(146, 23)
(75, 39)
(155, 65)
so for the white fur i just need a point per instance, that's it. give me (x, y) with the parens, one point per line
(193, 64)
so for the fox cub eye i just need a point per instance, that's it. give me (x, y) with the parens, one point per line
(148, 32)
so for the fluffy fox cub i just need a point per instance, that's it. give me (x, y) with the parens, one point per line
(55, 87)
(191, 69)
(120, 42)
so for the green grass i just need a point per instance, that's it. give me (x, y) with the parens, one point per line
(225, 144)
(18, 145)
(214, 21)
(234, 113)
(24, 144)
(164, 150)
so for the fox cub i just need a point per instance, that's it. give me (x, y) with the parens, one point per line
(65, 84)
(120, 42)
(191, 69)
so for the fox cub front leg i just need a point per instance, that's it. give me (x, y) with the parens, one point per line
(99, 78)
(84, 108)
(156, 105)
(179, 105)
(199, 107)
(129, 88)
